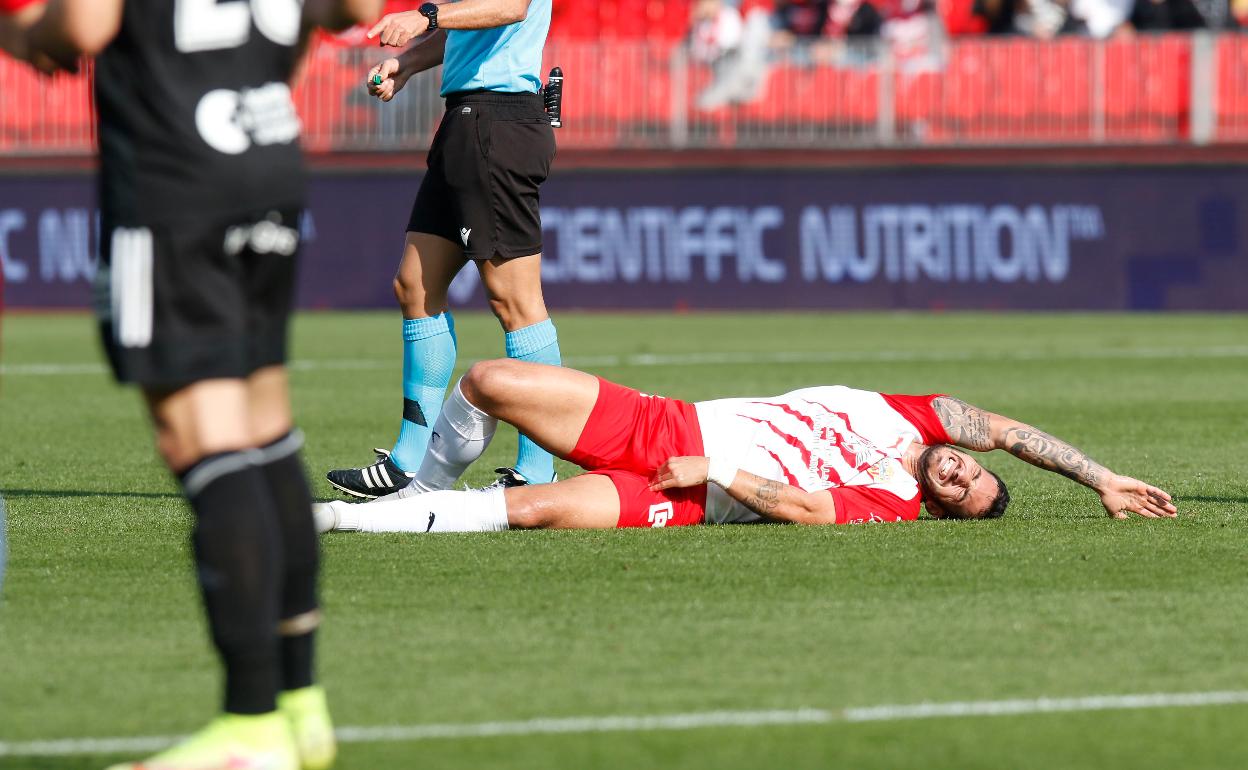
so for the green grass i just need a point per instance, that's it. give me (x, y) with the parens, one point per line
(101, 634)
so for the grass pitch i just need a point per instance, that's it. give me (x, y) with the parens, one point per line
(101, 634)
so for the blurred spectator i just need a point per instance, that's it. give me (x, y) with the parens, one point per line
(1096, 18)
(799, 20)
(960, 18)
(1046, 19)
(716, 29)
(914, 34)
(1151, 15)
(853, 19)
(1216, 13)
(998, 15)
(801, 30)
(1104, 18)
(1159, 15)
(735, 47)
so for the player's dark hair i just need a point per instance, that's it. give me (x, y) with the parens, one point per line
(1000, 502)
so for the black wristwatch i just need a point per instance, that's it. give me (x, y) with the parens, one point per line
(430, 12)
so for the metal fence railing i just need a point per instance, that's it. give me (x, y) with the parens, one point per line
(1167, 89)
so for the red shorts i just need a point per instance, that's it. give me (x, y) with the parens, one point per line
(628, 436)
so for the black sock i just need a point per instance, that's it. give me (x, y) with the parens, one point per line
(299, 609)
(239, 560)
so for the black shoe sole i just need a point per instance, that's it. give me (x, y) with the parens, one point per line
(352, 492)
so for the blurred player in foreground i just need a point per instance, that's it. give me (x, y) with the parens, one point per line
(823, 455)
(201, 186)
(478, 202)
(16, 16)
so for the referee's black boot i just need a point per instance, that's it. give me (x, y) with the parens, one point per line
(372, 481)
(510, 477)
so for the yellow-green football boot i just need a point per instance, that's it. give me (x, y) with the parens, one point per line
(230, 742)
(308, 715)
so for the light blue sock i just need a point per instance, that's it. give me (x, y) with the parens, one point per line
(428, 359)
(537, 343)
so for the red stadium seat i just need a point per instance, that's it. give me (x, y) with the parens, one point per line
(573, 20)
(45, 114)
(966, 87)
(1232, 91)
(1146, 87)
(1065, 90)
(918, 95)
(631, 19)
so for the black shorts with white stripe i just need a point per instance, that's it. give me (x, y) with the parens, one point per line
(179, 304)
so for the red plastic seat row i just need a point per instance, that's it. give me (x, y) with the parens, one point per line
(1232, 88)
(1006, 90)
(615, 19)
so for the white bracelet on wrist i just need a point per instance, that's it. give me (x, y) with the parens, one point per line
(720, 470)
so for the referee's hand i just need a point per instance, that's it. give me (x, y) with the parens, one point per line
(399, 29)
(384, 80)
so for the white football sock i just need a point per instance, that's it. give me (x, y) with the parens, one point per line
(443, 511)
(460, 434)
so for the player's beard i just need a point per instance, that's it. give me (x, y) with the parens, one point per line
(925, 464)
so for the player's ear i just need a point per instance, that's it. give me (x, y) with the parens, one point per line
(934, 510)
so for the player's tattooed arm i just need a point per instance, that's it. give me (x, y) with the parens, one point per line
(1042, 450)
(968, 427)
(765, 497)
(1121, 495)
(771, 499)
(777, 501)
(973, 428)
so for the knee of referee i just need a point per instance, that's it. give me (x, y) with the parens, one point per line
(518, 311)
(415, 298)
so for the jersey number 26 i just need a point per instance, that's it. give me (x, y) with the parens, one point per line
(207, 25)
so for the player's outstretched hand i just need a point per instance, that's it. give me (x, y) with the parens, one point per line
(1123, 496)
(385, 80)
(680, 472)
(399, 29)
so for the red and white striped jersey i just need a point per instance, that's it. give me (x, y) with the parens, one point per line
(847, 441)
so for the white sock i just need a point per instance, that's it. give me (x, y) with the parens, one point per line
(460, 434)
(443, 511)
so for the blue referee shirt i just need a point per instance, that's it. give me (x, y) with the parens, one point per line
(500, 59)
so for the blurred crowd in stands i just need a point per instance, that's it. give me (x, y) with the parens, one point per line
(721, 25)
(739, 37)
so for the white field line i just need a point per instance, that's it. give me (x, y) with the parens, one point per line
(690, 721)
(743, 358)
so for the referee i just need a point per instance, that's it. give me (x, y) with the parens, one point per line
(478, 202)
(201, 185)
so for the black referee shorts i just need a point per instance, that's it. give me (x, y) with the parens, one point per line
(489, 158)
(196, 301)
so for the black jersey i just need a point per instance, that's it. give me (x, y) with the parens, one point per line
(195, 114)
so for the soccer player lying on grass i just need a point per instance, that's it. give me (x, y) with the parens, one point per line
(822, 455)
